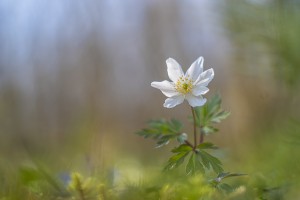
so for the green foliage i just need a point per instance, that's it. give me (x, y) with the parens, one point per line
(181, 152)
(207, 145)
(210, 114)
(162, 131)
(210, 161)
(223, 175)
(224, 187)
(199, 159)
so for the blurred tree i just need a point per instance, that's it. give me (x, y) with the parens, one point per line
(267, 33)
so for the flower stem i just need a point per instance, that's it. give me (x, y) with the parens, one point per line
(201, 136)
(195, 130)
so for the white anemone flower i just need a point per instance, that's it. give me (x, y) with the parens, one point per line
(190, 86)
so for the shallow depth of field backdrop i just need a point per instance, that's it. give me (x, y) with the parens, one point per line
(75, 83)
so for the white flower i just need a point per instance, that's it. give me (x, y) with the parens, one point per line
(189, 86)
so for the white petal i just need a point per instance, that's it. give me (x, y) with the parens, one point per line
(173, 101)
(200, 90)
(195, 69)
(205, 77)
(174, 69)
(166, 87)
(195, 101)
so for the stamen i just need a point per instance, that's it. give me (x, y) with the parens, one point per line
(184, 85)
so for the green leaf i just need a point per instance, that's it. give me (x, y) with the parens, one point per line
(209, 129)
(182, 148)
(214, 104)
(194, 165)
(217, 118)
(209, 114)
(176, 160)
(176, 125)
(163, 140)
(162, 131)
(210, 161)
(206, 145)
(181, 152)
(223, 175)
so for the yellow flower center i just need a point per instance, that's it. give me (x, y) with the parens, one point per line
(184, 85)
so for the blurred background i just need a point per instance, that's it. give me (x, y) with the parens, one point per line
(75, 81)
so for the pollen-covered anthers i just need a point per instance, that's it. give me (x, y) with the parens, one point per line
(184, 85)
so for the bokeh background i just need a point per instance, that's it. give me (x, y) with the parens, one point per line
(75, 82)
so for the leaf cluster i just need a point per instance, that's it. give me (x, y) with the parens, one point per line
(162, 131)
(199, 159)
(210, 114)
(224, 187)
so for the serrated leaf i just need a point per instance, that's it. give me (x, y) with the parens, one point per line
(177, 125)
(210, 161)
(217, 118)
(209, 129)
(194, 165)
(209, 114)
(162, 131)
(214, 104)
(176, 160)
(164, 140)
(161, 143)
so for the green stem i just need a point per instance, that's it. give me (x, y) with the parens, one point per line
(201, 132)
(195, 130)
